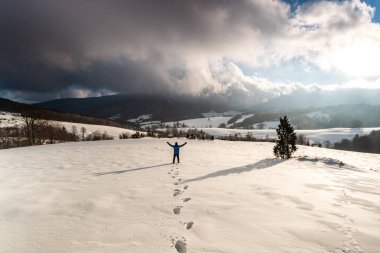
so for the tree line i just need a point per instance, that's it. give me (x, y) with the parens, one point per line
(170, 132)
(366, 143)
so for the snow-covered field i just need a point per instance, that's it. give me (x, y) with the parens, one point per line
(244, 117)
(13, 119)
(111, 131)
(319, 115)
(8, 119)
(125, 196)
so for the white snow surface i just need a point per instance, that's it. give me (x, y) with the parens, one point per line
(111, 131)
(117, 196)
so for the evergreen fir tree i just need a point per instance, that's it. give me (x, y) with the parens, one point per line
(287, 139)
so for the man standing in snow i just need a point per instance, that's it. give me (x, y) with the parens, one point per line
(176, 150)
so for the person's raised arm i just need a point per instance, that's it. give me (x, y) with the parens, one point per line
(169, 144)
(183, 144)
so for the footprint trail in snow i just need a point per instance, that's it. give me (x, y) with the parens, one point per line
(180, 244)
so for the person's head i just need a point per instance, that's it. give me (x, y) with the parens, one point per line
(176, 144)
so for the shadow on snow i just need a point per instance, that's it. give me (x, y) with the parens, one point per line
(125, 171)
(262, 164)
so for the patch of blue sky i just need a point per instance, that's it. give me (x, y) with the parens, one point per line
(376, 4)
(372, 3)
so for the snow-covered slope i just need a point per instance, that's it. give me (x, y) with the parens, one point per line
(125, 196)
(243, 117)
(13, 119)
(211, 119)
(319, 115)
(202, 122)
(8, 119)
(111, 131)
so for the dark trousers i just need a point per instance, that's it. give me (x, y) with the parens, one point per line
(175, 157)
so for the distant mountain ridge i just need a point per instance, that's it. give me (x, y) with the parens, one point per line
(348, 116)
(125, 107)
(320, 99)
(139, 109)
(12, 106)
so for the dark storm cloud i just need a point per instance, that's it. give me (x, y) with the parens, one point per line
(84, 47)
(124, 46)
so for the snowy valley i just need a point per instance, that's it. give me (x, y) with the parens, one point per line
(127, 196)
(208, 125)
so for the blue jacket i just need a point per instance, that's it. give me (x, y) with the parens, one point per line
(176, 147)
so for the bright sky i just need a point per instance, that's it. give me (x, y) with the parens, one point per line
(296, 70)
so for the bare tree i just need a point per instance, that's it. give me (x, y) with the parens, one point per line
(74, 130)
(52, 132)
(301, 139)
(83, 130)
(30, 118)
(40, 131)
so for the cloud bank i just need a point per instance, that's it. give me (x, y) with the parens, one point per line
(79, 48)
